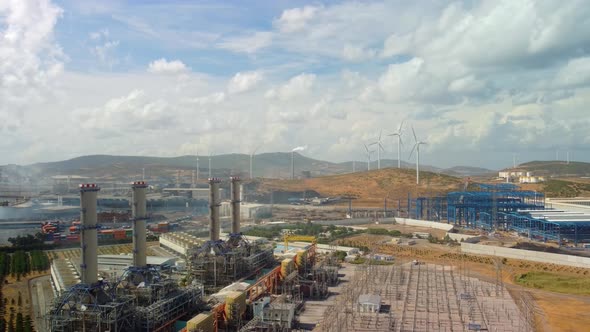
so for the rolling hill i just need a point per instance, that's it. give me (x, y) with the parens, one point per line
(557, 168)
(268, 165)
(369, 188)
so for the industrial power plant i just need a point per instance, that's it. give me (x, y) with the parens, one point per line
(230, 284)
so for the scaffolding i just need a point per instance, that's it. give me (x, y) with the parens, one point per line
(91, 308)
(561, 231)
(219, 263)
(481, 208)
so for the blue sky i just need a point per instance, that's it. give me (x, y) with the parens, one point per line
(479, 81)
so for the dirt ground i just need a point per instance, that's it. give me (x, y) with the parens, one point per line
(438, 233)
(11, 290)
(553, 311)
(370, 187)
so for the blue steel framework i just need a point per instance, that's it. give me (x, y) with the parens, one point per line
(540, 229)
(497, 207)
(482, 208)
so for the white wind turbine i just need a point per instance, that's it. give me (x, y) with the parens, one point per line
(252, 157)
(398, 133)
(379, 148)
(368, 153)
(417, 148)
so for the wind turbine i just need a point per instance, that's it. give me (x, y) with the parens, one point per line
(252, 157)
(379, 148)
(398, 133)
(417, 148)
(368, 156)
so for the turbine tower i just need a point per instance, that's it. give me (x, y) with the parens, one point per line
(368, 152)
(398, 133)
(379, 148)
(252, 154)
(417, 148)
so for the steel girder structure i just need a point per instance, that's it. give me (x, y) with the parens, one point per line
(466, 207)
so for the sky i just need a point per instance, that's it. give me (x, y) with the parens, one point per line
(481, 82)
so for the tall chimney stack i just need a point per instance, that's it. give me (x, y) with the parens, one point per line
(214, 208)
(139, 215)
(235, 204)
(89, 238)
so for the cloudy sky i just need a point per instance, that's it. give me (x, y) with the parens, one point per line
(479, 81)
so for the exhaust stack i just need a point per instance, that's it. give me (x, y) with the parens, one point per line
(235, 204)
(89, 238)
(139, 215)
(214, 204)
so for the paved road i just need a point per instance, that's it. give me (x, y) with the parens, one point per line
(41, 298)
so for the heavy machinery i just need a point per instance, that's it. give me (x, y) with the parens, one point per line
(294, 237)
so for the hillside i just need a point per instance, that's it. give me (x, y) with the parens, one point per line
(557, 168)
(370, 188)
(267, 165)
(560, 188)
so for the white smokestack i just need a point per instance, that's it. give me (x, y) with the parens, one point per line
(214, 204)
(139, 215)
(89, 239)
(235, 204)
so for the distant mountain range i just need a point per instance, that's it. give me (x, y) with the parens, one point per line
(269, 165)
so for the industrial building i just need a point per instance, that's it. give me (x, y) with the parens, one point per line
(218, 262)
(140, 300)
(248, 211)
(232, 282)
(503, 207)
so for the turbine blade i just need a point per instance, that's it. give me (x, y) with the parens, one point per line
(414, 133)
(411, 152)
(380, 132)
(399, 130)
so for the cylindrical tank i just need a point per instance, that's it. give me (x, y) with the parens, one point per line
(89, 242)
(203, 322)
(235, 204)
(139, 215)
(235, 304)
(214, 204)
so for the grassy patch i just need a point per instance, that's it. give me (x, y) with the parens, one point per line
(555, 283)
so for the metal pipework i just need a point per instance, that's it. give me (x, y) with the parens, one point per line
(214, 204)
(235, 204)
(139, 215)
(89, 238)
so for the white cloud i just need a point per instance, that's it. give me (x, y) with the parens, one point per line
(30, 59)
(357, 53)
(247, 43)
(243, 81)
(163, 66)
(295, 19)
(295, 87)
(134, 112)
(575, 73)
(214, 98)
